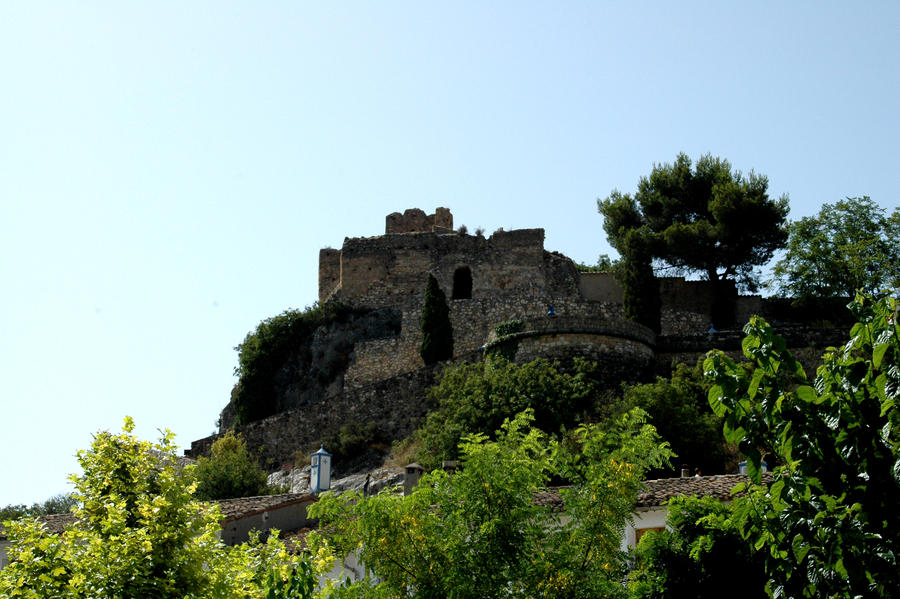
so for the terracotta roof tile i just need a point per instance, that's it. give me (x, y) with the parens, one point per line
(659, 491)
(240, 507)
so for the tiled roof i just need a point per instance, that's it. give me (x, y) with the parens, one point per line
(232, 509)
(241, 507)
(656, 492)
(659, 491)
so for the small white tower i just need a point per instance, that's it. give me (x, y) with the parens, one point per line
(320, 471)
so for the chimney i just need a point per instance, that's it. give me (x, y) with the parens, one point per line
(413, 473)
(320, 471)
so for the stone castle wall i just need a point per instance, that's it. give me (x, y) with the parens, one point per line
(416, 221)
(473, 320)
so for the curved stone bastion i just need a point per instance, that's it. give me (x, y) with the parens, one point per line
(623, 350)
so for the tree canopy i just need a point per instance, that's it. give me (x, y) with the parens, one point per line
(679, 409)
(477, 398)
(138, 532)
(707, 219)
(481, 533)
(849, 246)
(829, 521)
(229, 471)
(697, 555)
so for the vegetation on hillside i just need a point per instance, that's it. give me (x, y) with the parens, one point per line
(281, 360)
(678, 407)
(477, 398)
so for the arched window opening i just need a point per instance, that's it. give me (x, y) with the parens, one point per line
(462, 283)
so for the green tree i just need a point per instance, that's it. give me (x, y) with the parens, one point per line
(679, 409)
(139, 533)
(482, 533)
(707, 219)
(849, 246)
(479, 397)
(58, 504)
(640, 287)
(699, 554)
(437, 333)
(829, 521)
(229, 471)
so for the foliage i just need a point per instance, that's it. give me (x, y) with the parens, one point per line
(479, 397)
(480, 533)
(58, 504)
(510, 327)
(229, 471)
(437, 334)
(847, 247)
(829, 521)
(679, 409)
(139, 533)
(281, 348)
(700, 554)
(640, 288)
(708, 219)
(604, 264)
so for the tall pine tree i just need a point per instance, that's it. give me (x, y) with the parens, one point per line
(437, 333)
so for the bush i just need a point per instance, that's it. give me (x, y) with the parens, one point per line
(479, 397)
(229, 471)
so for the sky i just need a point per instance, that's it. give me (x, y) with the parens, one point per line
(170, 170)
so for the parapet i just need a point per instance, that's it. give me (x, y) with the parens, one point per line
(416, 221)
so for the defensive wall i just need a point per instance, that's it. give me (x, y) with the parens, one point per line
(508, 276)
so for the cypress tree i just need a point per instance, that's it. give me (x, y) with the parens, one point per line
(437, 333)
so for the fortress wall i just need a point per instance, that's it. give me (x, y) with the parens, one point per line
(683, 322)
(619, 360)
(807, 344)
(472, 322)
(396, 406)
(599, 287)
(329, 272)
(379, 271)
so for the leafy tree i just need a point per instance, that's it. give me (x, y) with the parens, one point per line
(679, 409)
(848, 246)
(229, 471)
(699, 555)
(829, 521)
(479, 397)
(437, 333)
(58, 504)
(480, 532)
(707, 219)
(139, 533)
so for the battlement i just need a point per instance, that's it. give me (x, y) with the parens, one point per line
(390, 269)
(416, 221)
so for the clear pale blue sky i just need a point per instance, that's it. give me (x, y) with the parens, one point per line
(169, 170)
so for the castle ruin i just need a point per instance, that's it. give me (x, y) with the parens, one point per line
(508, 276)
